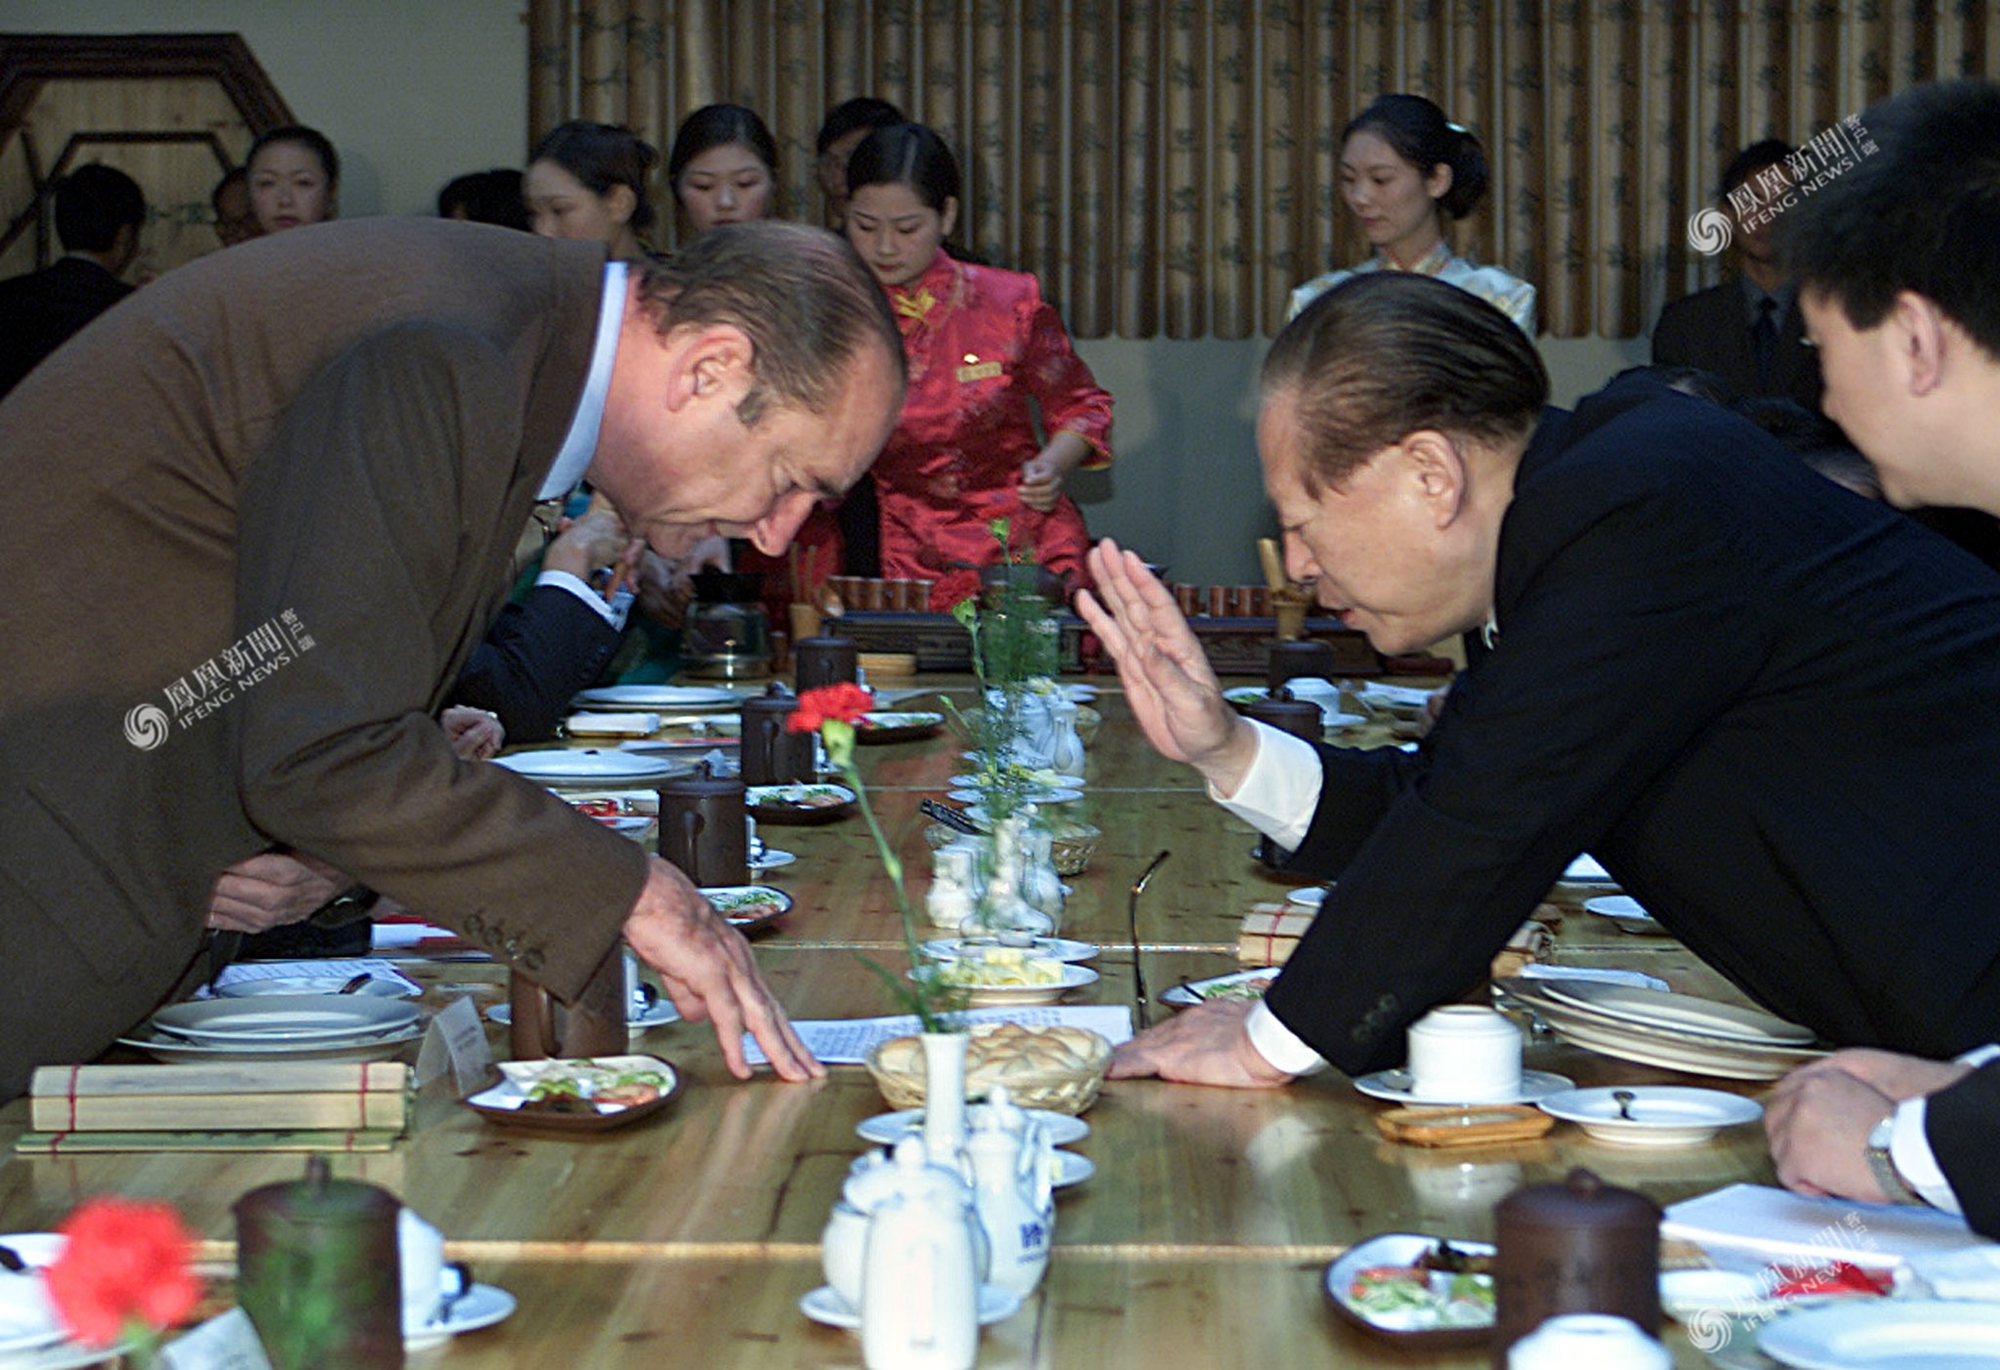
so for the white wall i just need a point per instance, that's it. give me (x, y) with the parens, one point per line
(412, 92)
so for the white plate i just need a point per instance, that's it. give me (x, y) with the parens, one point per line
(292, 1018)
(1585, 870)
(1394, 1249)
(1626, 914)
(480, 1306)
(590, 766)
(1394, 1085)
(1684, 1013)
(1062, 948)
(1662, 1115)
(1697, 1055)
(1539, 970)
(31, 1320)
(825, 1306)
(770, 860)
(628, 724)
(1706, 1294)
(1886, 1334)
(886, 1129)
(1193, 992)
(181, 1051)
(661, 697)
(991, 996)
(1072, 1169)
(1334, 721)
(656, 1014)
(1036, 795)
(788, 797)
(376, 988)
(1311, 897)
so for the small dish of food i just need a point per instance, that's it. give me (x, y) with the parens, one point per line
(799, 803)
(586, 1094)
(1013, 975)
(1242, 984)
(1416, 1290)
(748, 907)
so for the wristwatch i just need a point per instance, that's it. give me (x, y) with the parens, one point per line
(1883, 1166)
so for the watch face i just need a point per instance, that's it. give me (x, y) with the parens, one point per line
(1883, 1134)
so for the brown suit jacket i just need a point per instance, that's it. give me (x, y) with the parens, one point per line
(276, 501)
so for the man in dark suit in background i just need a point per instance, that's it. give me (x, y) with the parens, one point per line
(1899, 263)
(1722, 675)
(1747, 331)
(99, 212)
(278, 500)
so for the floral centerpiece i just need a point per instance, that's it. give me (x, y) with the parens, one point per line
(832, 711)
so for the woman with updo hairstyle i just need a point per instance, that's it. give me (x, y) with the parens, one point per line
(1407, 172)
(723, 167)
(587, 181)
(294, 178)
(987, 357)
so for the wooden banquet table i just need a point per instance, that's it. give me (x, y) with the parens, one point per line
(688, 1239)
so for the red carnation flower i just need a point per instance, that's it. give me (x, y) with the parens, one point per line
(125, 1262)
(845, 702)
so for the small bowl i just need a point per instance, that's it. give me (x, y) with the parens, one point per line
(1060, 1091)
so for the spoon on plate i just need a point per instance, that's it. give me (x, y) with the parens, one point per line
(354, 986)
(1625, 1098)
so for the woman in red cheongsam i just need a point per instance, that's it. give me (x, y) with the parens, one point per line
(986, 353)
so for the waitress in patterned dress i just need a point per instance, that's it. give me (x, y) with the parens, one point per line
(1407, 172)
(985, 353)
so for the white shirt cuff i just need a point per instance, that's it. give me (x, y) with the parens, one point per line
(1279, 1045)
(1280, 792)
(613, 613)
(1910, 1145)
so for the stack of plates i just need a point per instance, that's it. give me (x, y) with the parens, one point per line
(661, 698)
(1677, 1031)
(280, 1027)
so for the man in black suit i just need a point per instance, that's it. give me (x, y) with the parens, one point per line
(99, 211)
(1747, 331)
(1899, 263)
(1718, 672)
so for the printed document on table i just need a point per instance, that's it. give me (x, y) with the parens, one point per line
(846, 1041)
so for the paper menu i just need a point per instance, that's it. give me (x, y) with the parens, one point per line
(846, 1041)
(331, 969)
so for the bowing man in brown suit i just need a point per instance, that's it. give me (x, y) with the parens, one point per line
(278, 497)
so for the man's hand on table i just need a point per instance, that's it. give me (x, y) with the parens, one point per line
(708, 971)
(1821, 1114)
(1205, 1045)
(474, 734)
(1168, 682)
(271, 889)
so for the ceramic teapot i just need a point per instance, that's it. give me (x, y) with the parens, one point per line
(1013, 1169)
(919, 1274)
(702, 828)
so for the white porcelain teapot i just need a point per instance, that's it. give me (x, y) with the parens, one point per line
(919, 1278)
(1013, 1164)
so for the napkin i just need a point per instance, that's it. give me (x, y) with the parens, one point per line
(621, 725)
(1764, 1224)
(1972, 1274)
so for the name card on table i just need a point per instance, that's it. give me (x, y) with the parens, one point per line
(228, 1342)
(456, 1041)
(847, 1041)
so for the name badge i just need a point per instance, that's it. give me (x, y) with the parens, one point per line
(982, 372)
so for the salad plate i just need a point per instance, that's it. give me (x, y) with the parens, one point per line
(897, 726)
(1379, 1287)
(599, 1092)
(748, 907)
(799, 804)
(1242, 984)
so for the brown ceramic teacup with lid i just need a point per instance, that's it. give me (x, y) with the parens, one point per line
(1581, 1246)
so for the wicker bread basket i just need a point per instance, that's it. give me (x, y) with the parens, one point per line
(898, 1068)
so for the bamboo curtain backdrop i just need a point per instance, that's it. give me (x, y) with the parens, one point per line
(1172, 169)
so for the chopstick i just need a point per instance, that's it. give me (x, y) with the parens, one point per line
(950, 817)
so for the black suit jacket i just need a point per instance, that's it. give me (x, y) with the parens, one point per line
(535, 658)
(1961, 1124)
(39, 311)
(1769, 706)
(1710, 329)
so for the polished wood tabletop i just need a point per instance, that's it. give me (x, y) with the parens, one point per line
(688, 1239)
